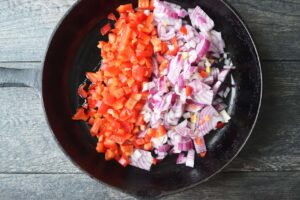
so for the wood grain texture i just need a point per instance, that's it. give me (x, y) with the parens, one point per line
(275, 26)
(246, 186)
(26, 142)
(27, 145)
(242, 185)
(274, 144)
(26, 26)
(55, 186)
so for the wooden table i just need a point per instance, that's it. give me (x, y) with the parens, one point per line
(32, 166)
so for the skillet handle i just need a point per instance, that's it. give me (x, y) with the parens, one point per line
(21, 77)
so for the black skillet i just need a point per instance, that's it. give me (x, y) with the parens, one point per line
(72, 51)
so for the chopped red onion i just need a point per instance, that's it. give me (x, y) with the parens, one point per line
(168, 103)
(181, 159)
(204, 97)
(164, 148)
(176, 66)
(159, 141)
(165, 104)
(163, 34)
(200, 19)
(215, 72)
(217, 43)
(207, 120)
(183, 124)
(141, 159)
(183, 131)
(192, 107)
(180, 82)
(185, 144)
(209, 80)
(203, 47)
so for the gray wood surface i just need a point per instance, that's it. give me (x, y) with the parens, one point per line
(32, 165)
(29, 24)
(252, 186)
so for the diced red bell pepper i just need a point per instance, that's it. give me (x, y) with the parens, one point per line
(80, 115)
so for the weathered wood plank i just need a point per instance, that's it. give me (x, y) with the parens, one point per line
(276, 137)
(27, 144)
(26, 26)
(254, 185)
(246, 186)
(55, 186)
(275, 26)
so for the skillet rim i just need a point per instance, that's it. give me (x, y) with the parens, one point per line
(162, 193)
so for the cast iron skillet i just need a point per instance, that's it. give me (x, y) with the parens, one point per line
(72, 51)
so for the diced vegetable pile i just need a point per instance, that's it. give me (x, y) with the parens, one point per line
(159, 90)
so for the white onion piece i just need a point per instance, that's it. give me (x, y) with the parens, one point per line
(225, 116)
(190, 158)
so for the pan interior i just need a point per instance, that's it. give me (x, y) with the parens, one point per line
(73, 51)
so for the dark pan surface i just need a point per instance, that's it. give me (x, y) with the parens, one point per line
(73, 51)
